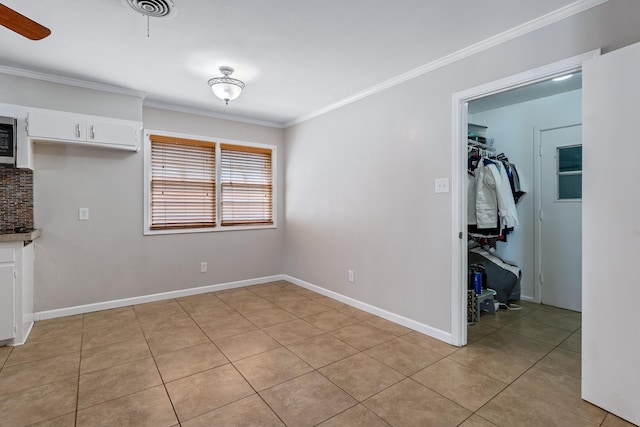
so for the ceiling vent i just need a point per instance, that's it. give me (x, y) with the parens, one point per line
(153, 8)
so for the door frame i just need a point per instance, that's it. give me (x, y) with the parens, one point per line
(538, 214)
(459, 175)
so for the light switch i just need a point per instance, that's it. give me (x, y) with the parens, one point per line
(442, 185)
(83, 214)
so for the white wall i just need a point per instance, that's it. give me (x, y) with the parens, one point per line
(512, 128)
(360, 179)
(107, 257)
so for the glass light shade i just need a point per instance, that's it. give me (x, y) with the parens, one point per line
(226, 90)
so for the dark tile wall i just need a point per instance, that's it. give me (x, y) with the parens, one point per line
(16, 199)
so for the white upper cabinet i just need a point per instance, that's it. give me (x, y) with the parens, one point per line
(54, 126)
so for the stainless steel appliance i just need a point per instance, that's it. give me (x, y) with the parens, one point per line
(8, 142)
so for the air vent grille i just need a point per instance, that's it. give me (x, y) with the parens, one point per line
(153, 8)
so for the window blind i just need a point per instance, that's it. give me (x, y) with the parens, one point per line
(246, 185)
(183, 187)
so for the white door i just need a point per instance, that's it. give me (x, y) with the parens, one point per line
(611, 233)
(561, 217)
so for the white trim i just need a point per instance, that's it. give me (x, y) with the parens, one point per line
(26, 335)
(207, 113)
(88, 308)
(528, 27)
(393, 317)
(19, 72)
(458, 187)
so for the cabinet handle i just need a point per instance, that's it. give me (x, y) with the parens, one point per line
(93, 134)
(77, 130)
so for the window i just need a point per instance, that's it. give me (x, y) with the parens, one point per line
(197, 185)
(570, 172)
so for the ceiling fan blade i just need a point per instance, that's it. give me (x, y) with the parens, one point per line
(21, 24)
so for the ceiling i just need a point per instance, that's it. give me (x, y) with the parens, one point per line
(296, 57)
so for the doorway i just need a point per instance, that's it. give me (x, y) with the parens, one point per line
(459, 181)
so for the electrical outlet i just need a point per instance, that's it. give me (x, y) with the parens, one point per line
(203, 267)
(352, 276)
(442, 185)
(83, 214)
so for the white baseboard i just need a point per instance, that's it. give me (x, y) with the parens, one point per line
(393, 317)
(88, 308)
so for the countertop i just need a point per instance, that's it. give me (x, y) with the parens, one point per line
(20, 237)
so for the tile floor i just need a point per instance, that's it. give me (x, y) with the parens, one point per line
(276, 354)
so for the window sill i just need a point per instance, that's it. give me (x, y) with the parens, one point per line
(218, 229)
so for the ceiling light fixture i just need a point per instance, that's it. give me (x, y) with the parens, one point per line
(561, 78)
(226, 88)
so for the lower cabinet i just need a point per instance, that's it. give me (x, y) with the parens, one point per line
(16, 291)
(7, 301)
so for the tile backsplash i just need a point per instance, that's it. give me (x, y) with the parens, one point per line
(16, 199)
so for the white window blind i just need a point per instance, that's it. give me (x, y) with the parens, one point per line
(246, 185)
(183, 187)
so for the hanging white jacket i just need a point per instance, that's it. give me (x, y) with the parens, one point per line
(506, 203)
(487, 179)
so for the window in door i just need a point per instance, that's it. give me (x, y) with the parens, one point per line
(569, 173)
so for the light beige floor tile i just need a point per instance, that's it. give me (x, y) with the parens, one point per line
(520, 345)
(330, 320)
(44, 349)
(189, 361)
(273, 367)
(162, 325)
(52, 330)
(613, 421)
(504, 367)
(199, 302)
(227, 326)
(109, 318)
(212, 314)
(362, 336)
(284, 297)
(361, 376)
(558, 318)
(244, 345)
(39, 404)
(429, 343)
(411, 404)
(41, 372)
(559, 389)
(403, 356)
(228, 294)
(250, 411)
(356, 313)
(150, 310)
(244, 305)
(538, 331)
(68, 420)
(108, 384)
(111, 335)
(307, 400)
(290, 332)
(322, 350)
(206, 391)
(387, 326)
(477, 331)
(307, 293)
(305, 308)
(564, 361)
(4, 354)
(266, 318)
(512, 407)
(465, 386)
(107, 356)
(476, 421)
(330, 302)
(573, 343)
(60, 319)
(146, 408)
(357, 416)
(176, 339)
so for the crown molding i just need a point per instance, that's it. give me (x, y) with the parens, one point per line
(19, 72)
(207, 113)
(528, 27)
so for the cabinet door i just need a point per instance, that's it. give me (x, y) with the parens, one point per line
(56, 126)
(7, 301)
(113, 133)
